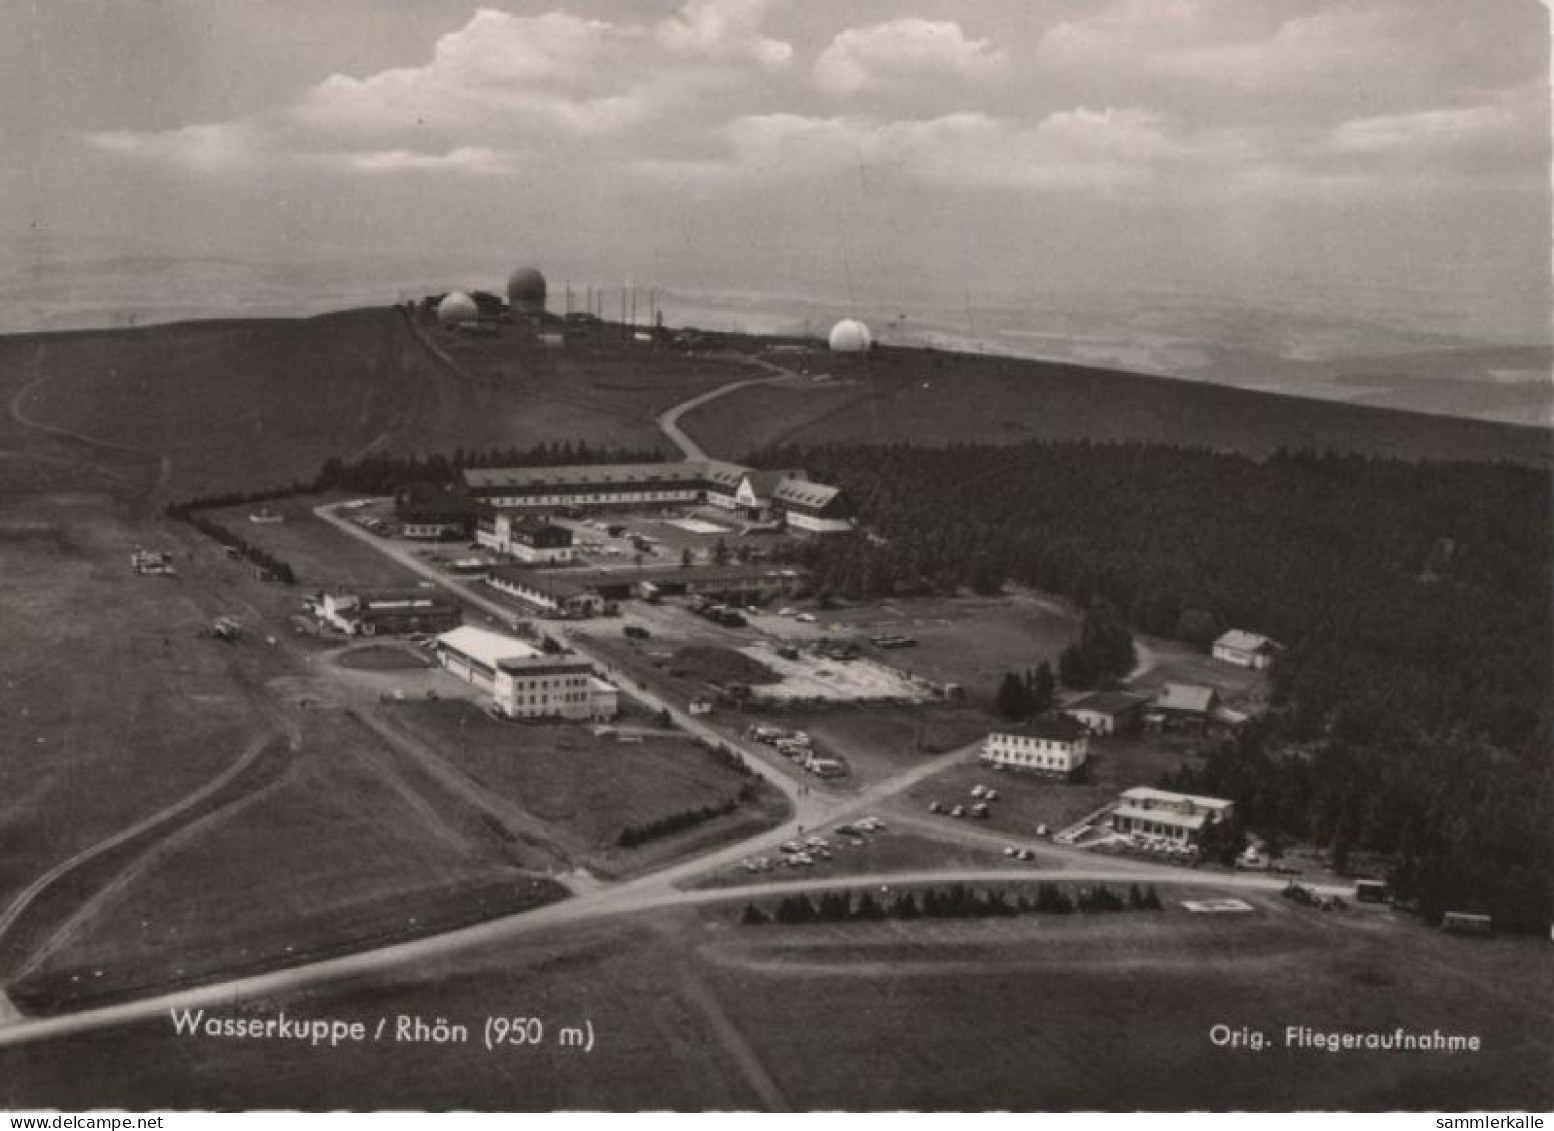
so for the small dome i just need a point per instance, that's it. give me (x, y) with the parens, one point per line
(850, 336)
(456, 308)
(526, 291)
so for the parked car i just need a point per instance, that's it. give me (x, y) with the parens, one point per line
(958, 811)
(978, 790)
(935, 807)
(807, 618)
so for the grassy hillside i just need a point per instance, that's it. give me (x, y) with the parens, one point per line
(925, 396)
(206, 406)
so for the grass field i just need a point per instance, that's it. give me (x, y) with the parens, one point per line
(1037, 1013)
(345, 849)
(321, 556)
(927, 397)
(586, 789)
(116, 704)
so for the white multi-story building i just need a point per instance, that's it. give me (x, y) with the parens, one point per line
(566, 687)
(1054, 744)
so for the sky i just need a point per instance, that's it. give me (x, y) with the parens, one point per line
(902, 151)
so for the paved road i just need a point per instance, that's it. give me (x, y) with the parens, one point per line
(669, 419)
(630, 898)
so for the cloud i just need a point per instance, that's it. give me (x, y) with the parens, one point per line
(224, 149)
(904, 50)
(1276, 59)
(499, 89)
(1112, 149)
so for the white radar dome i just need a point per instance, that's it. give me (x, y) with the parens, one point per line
(850, 336)
(456, 308)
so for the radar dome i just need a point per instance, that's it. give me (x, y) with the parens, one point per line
(850, 336)
(456, 308)
(526, 291)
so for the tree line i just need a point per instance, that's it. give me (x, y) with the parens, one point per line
(633, 835)
(958, 901)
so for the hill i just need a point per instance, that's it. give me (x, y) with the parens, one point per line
(201, 407)
(933, 397)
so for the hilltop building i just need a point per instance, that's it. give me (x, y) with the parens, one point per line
(790, 497)
(526, 292)
(850, 336)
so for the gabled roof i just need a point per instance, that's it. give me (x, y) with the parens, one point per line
(804, 492)
(1243, 641)
(1054, 728)
(764, 483)
(1188, 697)
(585, 475)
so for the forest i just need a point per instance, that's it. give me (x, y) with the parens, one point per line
(1411, 709)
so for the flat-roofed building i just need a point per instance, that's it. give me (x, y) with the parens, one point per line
(1158, 814)
(524, 682)
(566, 687)
(1052, 744)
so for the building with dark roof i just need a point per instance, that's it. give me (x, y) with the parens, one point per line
(546, 591)
(389, 612)
(1108, 712)
(528, 537)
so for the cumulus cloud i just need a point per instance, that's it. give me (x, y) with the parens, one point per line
(904, 50)
(707, 96)
(499, 88)
(723, 29)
